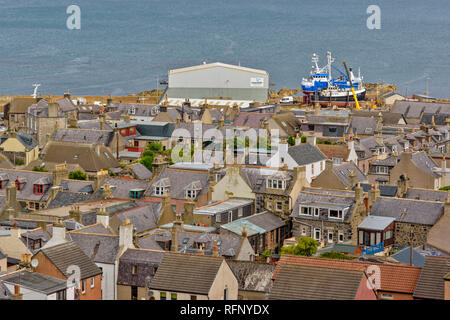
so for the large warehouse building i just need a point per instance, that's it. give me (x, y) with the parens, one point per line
(218, 81)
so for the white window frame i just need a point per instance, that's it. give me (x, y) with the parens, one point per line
(219, 217)
(92, 282)
(330, 232)
(279, 203)
(303, 231)
(340, 214)
(315, 232)
(240, 212)
(340, 235)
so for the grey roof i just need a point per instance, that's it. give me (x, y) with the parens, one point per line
(65, 198)
(255, 224)
(140, 171)
(306, 153)
(404, 256)
(121, 187)
(343, 172)
(252, 275)
(143, 217)
(146, 262)
(413, 109)
(408, 210)
(93, 124)
(363, 125)
(426, 194)
(186, 273)
(385, 190)
(256, 178)
(424, 162)
(375, 222)
(84, 136)
(430, 284)
(29, 177)
(77, 186)
(2, 256)
(179, 180)
(250, 94)
(66, 105)
(64, 255)
(35, 281)
(26, 140)
(295, 282)
(100, 248)
(332, 200)
(223, 206)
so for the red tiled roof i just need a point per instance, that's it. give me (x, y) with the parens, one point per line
(394, 277)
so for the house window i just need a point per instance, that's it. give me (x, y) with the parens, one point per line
(163, 296)
(92, 282)
(173, 296)
(303, 231)
(36, 206)
(279, 205)
(83, 286)
(316, 234)
(134, 293)
(192, 194)
(361, 237)
(160, 191)
(193, 297)
(337, 160)
(388, 235)
(310, 127)
(337, 214)
(330, 236)
(332, 129)
(136, 143)
(61, 295)
(276, 184)
(240, 212)
(136, 194)
(134, 269)
(219, 217)
(341, 236)
(225, 294)
(385, 296)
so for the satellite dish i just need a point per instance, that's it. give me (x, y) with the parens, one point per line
(34, 263)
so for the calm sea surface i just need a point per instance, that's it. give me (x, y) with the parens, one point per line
(125, 46)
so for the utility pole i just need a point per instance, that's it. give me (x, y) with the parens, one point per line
(117, 142)
(412, 243)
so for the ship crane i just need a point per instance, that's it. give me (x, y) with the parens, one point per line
(351, 86)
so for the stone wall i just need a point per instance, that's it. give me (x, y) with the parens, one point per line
(402, 234)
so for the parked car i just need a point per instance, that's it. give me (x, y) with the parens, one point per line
(288, 99)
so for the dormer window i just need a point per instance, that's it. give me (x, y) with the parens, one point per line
(3, 181)
(132, 110)
(276, 184)
(136, 193)
(193, 190)
(162, 187)
(20, 183)
(309, 211)
(38, 189)
(337, 213)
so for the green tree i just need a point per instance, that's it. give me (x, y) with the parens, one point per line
(335, 255)
(155, 146)
(77, 175)
(303, 139)
(39, 168)
(148, 153)
(147, 161)
(291, 140)
(305, 247)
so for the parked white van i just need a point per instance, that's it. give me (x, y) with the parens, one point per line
(288, 99)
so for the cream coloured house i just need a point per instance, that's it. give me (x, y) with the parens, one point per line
(232, 185)
(19, 146)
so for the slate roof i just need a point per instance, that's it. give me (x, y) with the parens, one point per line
(80, 186)
(425, 163)
(26, 190)
(35, 281)
(140, 171)
(121, 187)
(186, 273)
(83, 154)
(251, 120)
(26, 140)
(100, 248)
(343, 172)
(256, 178)
(305, 153)
(431, 281)
(340, 247)
(394, 277)
(385, 190)
(413, 109)
(404, 256)
(66, 105)
(408, 210)
(179, 179)
(84, 136)
(143, 217)
(388, 117)
(426, 194)
(294, 282)
(363, 125)
(64, 198)
(146, 261)
(69, 253)
(252, 275)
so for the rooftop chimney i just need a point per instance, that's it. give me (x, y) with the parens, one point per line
(402, 185)
(126, 234)
(188, 215)
(17, 295)
(177, 227)
(374, 193)
(103, 216)
(353, 180)
(167, 213)
(59, 235)
(359, 193)
(244, 232)
(75, 213)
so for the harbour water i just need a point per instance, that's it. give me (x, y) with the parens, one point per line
(126, 46)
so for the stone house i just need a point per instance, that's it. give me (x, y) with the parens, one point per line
(15, 112)
(328, 216)
(343, 176)
(19, 146)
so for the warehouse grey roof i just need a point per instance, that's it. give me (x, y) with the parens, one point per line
(375, 222)
(408, 210)
(35, 281)
(64, 255)
(186, 273)
(306, 153)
